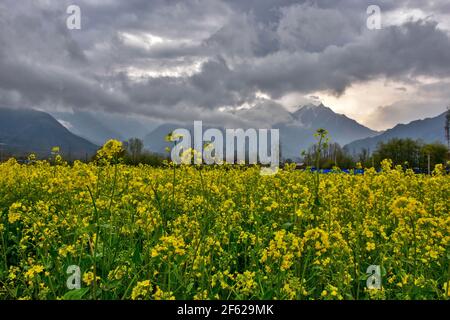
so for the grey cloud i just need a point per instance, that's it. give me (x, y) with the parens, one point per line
(264, 114)
(405, 111)
(277, 47)
(414, 49)
(429, 100)
(313, 29)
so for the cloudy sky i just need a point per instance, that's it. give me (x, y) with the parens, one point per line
(197, 59)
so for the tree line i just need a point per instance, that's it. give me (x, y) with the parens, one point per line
(135, 154)
(409, 153)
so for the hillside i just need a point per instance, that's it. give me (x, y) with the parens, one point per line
(296, 129)
(27, 131)
(428, 130)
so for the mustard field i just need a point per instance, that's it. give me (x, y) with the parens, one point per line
(186, 232)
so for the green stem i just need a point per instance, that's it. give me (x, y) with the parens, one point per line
(94, 251)
(5, 260)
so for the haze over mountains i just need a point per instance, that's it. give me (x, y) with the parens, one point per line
(23, 132)
(298, 134)
(428, 130)
(296, 129)
(99, 127)
(79, 134)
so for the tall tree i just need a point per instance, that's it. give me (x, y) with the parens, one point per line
(447, 129)
(411, 154)
(135, 147)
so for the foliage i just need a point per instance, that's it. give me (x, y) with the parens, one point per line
(190, 232)
(411, 154)
(135, 154)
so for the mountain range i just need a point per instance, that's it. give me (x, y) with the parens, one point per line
(79, 134)
(29, 131)
(296, 129)
(427, 130)
(99, 127)
(298, 134)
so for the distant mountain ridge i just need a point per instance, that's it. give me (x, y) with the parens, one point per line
(298, 135)
(87, 126)
(338, 125)
(100, 126)
(25, 131)
(428, 130)
(296, 129)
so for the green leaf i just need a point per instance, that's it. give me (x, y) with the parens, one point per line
(76, 294)
(287, 225)
(137, 254)
(189, 287)
(106, 226)
(364, 277)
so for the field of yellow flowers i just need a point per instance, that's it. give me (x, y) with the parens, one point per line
(186, 232)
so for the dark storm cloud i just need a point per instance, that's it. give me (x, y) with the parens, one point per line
(180, 59)
(414, 49)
